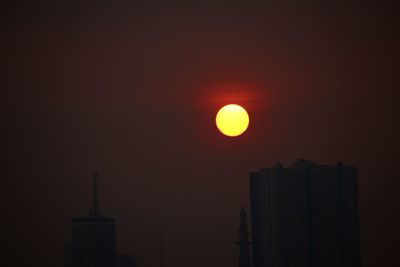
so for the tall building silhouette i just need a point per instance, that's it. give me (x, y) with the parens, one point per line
(244, 243)
(305, 216)
(93, 238)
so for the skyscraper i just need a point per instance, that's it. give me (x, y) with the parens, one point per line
(305, 216)
(93, 238)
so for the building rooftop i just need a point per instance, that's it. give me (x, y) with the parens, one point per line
(301, 164)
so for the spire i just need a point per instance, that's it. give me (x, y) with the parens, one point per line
(243, 221)
(95, 211)
(161, 249)
(243, 243)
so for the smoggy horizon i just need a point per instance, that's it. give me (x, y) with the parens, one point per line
(131, 90)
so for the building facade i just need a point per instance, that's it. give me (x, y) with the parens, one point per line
(126, 260)
(93, 242)
(305, 216)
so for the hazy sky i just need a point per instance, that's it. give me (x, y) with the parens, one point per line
(131, 91)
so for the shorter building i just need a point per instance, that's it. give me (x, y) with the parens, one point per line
(93, 240)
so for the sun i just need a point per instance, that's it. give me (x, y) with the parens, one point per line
(232, 120)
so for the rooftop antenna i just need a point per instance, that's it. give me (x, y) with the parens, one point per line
(95, 207)
(161, 249)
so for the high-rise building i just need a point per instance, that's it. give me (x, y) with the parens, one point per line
(305, 216)
(93, 238)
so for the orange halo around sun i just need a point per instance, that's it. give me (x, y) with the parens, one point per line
(232, 120)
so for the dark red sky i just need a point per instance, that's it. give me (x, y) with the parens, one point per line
(131, 90)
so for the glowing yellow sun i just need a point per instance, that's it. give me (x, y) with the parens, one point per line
(232, 120)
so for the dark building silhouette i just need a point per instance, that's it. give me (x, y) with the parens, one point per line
(93, 238)
(68, 258)
(244, 243)
(125, 260)
(305, 216)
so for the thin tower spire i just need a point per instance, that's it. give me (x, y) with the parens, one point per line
(95, 207)
(244, 243)
(161, 249)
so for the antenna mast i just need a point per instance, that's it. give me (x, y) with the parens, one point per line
(161, 249)
(95, 207)
(244, 243)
